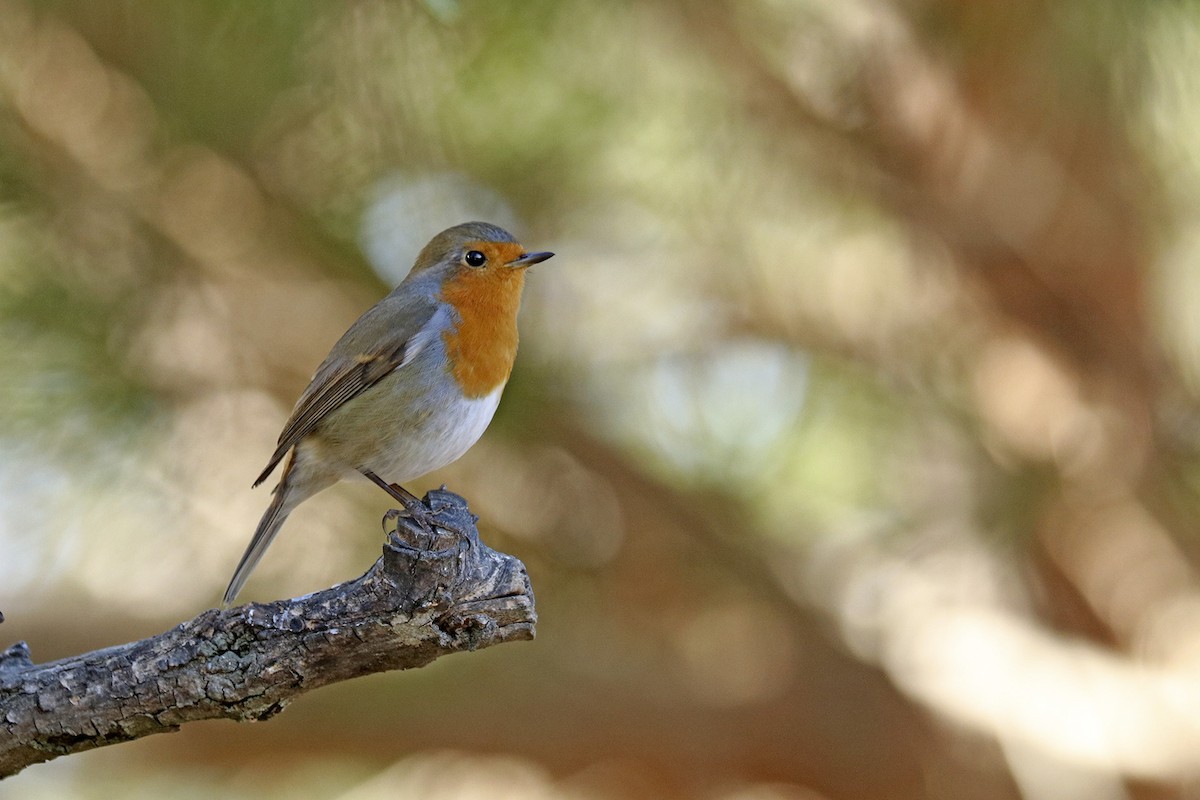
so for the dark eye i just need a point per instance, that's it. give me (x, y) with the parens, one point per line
(474, 258)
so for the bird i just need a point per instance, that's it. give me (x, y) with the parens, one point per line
(410, 386)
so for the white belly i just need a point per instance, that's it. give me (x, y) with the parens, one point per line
(445, 435)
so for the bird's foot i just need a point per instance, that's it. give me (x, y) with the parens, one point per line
(421, 523)
(414, 509)
(426, 520)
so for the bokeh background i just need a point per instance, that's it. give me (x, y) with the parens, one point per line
(853, 446)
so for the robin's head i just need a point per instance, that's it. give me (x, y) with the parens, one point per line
(476, 253)
(479, 270)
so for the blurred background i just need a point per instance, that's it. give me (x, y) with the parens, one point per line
(853, 446)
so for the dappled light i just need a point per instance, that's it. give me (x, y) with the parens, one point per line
(853, 443)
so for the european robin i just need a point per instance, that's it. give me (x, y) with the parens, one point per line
(411, 385)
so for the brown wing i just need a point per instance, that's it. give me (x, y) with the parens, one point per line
(355, 364)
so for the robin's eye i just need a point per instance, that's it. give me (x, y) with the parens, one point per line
(474, 258)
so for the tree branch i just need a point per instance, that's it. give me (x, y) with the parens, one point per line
(433, 592)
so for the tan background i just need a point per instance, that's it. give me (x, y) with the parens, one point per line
(853, 442)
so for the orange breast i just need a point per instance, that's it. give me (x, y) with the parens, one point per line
(483, 347)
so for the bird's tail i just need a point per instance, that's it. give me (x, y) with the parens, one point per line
(272, 520)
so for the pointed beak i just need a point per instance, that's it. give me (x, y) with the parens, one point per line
(529, 259)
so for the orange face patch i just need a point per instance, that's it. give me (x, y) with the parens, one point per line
(482, 349)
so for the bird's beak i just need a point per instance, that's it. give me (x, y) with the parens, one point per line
(529, 259)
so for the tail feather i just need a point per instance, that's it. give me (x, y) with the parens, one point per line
(272, 520)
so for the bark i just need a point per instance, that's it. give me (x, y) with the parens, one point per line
(432, 592)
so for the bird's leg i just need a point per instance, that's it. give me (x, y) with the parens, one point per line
(413, 507)
(411, 503)
(404, 496)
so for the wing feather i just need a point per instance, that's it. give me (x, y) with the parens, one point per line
(355, 364)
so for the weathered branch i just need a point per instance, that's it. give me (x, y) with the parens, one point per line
(430, 594)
